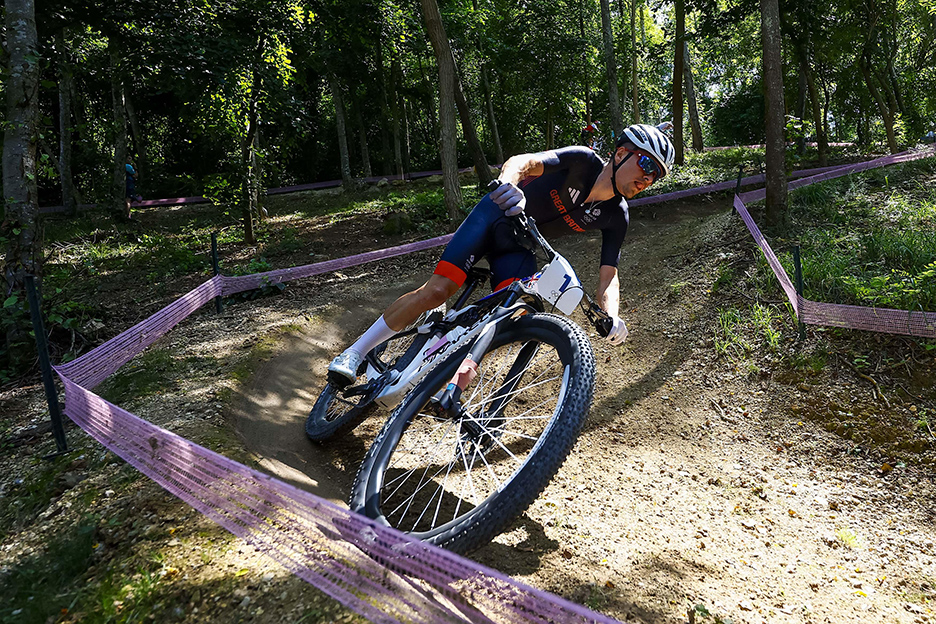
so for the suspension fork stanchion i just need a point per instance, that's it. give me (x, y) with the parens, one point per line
(45, 364)
(219, 306)
(467, 370)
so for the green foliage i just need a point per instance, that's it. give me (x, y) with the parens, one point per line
(42, 587)
(870, 245)
(146, 375)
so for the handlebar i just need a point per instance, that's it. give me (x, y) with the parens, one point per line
(593, 312)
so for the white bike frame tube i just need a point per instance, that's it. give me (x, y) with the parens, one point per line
(430, 356)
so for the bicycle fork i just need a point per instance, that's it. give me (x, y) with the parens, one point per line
(467, 371)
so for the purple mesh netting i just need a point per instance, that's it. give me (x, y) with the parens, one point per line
(838, 172)
(886, 320)
(771, 257)
(247, 282)
(378, 572)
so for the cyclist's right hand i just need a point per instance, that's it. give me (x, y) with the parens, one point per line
(509, 198)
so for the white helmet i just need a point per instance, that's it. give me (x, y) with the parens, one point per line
(651, 140)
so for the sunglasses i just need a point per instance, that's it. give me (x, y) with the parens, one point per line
(649, 166)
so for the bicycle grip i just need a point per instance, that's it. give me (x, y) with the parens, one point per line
(604, 325)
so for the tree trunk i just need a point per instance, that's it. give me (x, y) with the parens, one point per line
(362, 131)
(249, 159)
(697, 144)
(346, 180)
(800, 110)
(607, 36)
(139, 142)
(406, 135)
(550, 127)
(773, 87)
(586, 87)
(385, 158)
(821, 141)
(119, 187)
(489, 101)
(482, 169)
(21, 209)
(679, 56)
(635, 97)
(65, 127)
(447, 79)
(396, 111)
(885, 112)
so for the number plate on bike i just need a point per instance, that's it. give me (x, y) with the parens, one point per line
(559, 285)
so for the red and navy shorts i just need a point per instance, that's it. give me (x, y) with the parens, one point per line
(486, 233)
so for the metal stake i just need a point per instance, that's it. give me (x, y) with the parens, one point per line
(798, 274)
(216, 267)
(45, 364)
(737, 189)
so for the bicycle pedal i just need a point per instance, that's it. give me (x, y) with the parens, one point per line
(339, 381)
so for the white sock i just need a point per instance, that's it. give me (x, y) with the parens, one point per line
(377, 333)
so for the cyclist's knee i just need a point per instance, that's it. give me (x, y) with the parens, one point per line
(437, 290)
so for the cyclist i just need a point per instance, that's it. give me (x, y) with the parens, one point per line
(565, 190)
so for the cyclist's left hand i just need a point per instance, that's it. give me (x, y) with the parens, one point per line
(509, 198)
(618, 332)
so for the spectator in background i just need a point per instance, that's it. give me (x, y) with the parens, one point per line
(588, 134)
(130, 194)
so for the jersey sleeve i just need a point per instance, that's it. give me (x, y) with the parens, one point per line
(567, 158)
(612, 237)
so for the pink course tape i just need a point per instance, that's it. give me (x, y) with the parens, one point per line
(376, 571)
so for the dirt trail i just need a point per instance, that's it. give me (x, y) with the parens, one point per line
(694, 482)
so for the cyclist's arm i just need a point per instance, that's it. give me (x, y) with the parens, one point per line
(521, 166)
(533, 165)
(609, 289)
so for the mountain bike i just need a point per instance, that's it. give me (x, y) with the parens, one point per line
(489, 399)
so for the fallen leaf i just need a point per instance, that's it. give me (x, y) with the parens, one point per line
(566, 554)
(886, 468)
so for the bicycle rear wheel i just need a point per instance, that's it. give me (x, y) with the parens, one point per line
(458, 482)
(339, 410)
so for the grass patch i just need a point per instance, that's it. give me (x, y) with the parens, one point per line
(44, 586)
(870, 239)
(145, 375)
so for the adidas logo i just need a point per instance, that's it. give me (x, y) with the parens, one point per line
(574, 194)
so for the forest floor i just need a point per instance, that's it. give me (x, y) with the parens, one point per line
(737, 476)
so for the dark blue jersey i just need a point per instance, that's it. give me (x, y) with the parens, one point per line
(556, 200)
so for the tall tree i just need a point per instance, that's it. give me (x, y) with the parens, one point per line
(118, 188)
(679, 56)
(136, 133)
(20, 207)
(775, 114)
(482, 169)
(397, 110)
(341, 128)
(65, 87)
(447, 78)
(694, 122)
(611, 68)
(635, 96)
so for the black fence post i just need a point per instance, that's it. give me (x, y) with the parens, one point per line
(798, 274)
(45, 365)
(737, 188)
(216, 267)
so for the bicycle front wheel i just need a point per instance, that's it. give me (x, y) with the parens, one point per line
(459, 481)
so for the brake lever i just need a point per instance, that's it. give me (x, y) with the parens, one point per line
(599, 318)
